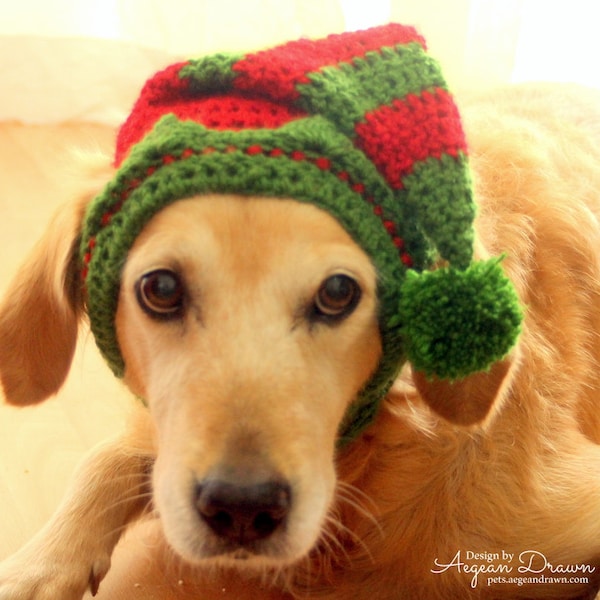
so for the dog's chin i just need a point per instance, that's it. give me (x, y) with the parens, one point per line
(243, 558)
(272, 554)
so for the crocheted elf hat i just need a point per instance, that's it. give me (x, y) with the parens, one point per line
(359, 124)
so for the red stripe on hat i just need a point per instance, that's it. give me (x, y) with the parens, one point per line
(163, 89)
(411, 130)
(277, 72)
(231, 112)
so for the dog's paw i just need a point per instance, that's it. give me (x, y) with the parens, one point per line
(50, 579)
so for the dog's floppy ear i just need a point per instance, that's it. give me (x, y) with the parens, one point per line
(467, 401)
(42, 306)
(39, 314)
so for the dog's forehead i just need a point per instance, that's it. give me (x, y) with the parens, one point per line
(250, 233)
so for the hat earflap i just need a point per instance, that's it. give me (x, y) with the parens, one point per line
(458, 322)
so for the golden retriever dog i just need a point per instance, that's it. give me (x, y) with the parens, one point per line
(235, 468)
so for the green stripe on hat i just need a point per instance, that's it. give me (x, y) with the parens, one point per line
(346, 92)
(438, 193)
(211, 74)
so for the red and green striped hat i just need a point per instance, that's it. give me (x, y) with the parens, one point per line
(359, 124)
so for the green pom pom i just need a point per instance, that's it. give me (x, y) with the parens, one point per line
(458, 322)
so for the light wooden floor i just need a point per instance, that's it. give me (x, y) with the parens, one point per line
(40, 446)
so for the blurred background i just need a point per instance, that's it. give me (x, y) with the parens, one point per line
(69, 72)
(85, 59)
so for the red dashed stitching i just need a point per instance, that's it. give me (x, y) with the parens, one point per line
(322, 163)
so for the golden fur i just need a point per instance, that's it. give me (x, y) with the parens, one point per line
(244, 384)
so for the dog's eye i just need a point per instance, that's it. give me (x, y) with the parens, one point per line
(337, 297)
(160, 293)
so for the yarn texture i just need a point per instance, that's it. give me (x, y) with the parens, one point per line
(361, 125)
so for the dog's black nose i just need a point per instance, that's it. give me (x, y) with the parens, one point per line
(243, 513)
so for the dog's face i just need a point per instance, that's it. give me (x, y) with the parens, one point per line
(248, 326)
